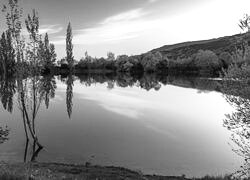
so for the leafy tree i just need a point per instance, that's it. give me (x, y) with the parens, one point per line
(69, 47)
(150, 61)
(122, 63)
(206, 60)
(47, 54)
(110, 56)
(32, 25)
(226, 59)
(13, 14)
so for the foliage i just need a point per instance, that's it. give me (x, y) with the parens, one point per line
(240, 69)
(47, 54)
(206, 60)
(123, 64)
(13, 14)
(32, 25)
(226, 59)
(150, 61)
(69, 47)
(110, 56)
(236, 72)
(237, 94)
(245, 23)
(7, 54)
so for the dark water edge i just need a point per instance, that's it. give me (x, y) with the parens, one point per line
(150, 81)
(173, 71)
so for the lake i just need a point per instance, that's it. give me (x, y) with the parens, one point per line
(157, 125)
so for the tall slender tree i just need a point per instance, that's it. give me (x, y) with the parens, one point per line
(47, 54)
(69, 47)
(32, 25)
(13, 14)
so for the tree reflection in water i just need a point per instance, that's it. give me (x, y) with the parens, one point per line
(7, 91)
(69, 94)
(31, 92)
(237, 95)
(4, 133)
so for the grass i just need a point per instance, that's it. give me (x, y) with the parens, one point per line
(54, 171)
(10, 176)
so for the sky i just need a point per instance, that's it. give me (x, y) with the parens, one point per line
(133, 26)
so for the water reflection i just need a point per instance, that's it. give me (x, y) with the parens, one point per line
(7, 91)
(69, 94)
(47, 89)
(4, 133)
(237, 95)
(32, 93)
(149, 81)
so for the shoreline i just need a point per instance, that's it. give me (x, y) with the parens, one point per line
(58, 171)
(61, 171)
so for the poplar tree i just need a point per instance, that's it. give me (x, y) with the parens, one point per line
(49, 54)
(32, 25)
(69, 47)
(13, 14)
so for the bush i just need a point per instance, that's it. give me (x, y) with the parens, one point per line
(226, 59)
(150, 61)
(207, 60)
(237, 72)
(127, 64)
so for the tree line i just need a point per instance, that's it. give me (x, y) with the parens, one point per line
(36, 55)
(21, 55)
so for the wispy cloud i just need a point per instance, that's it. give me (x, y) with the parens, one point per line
(50, 29)
(123, 26)
(152, 1)
(125, 16)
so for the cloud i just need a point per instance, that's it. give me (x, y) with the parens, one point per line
(119, 102)
(125, 16)
(50, 29)
(152, 1)
(123, 26)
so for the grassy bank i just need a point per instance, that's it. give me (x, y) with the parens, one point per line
(43, 171)
(55, 171)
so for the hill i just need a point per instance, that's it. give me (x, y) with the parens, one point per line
(187, 49)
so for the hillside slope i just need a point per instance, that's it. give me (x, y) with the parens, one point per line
(187, 49)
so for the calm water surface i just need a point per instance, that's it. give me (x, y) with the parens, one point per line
(169, 129)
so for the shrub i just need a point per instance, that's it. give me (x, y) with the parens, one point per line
(237, 72)
(207, 60)
(226, 59)
(150, 61)
(124, 63)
